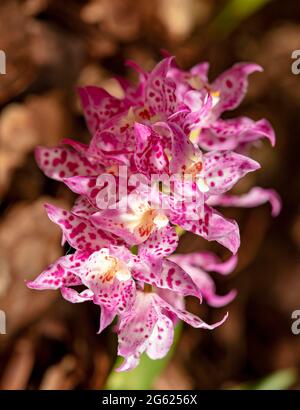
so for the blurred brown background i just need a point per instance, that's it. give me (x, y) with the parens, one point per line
(54, 45)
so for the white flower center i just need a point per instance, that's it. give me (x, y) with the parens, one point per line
(196, 171)
(160, 220)
(215, 97)
(143, 220)
(201, 184)
(106, 267)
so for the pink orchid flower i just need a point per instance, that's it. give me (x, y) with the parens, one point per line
(114, 279)
(227, 92)
(150, 328)
(169, 126)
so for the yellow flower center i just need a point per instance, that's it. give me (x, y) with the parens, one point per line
(194, 135)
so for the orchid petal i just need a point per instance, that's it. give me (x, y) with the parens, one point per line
(78, 231)
(161, 243)
(186, 316)
(106, 318)
(98, 106)
(209, 224)
(82, 207)
(192, 263)
(160, 90)
(71, 295)
(232, 86)
(63, 272)
(222, 170)
(255, 197)
(165, 274)
(230, 134)
(59, 163)
(161, 338)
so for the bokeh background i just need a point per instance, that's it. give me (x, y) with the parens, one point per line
(54, 45)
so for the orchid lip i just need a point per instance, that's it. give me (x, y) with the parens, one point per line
(144, 220)
(202, 185)
(160, 220)
(107, 267)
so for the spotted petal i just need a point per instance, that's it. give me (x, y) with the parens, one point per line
(79, 231)
(71, 295)
(186, 316)
(109, 291)
(206, 260)
(86, 186)
(60, 162)
(195, 79)
(191, 263)
(165, 274)
(63, 272)
(135, 330)
(230, 134)
(161, 338)
(82, 207)
(255, 197)
(222, 170)
(161, 243)
(118, 296)
(208, 223)
(150, 154)
(98, 106)
(160, 90)
(176, 143)
(232, 86)
(149, 330)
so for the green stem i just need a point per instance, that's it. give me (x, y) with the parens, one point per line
(234, 13)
